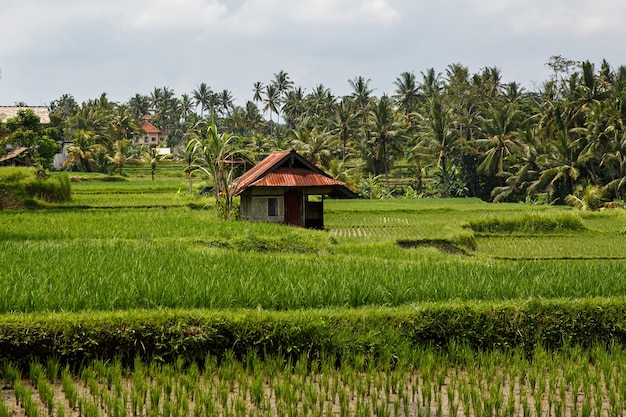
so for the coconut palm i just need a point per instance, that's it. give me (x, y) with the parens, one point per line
(272, 101)
(361, 93)
(344, 124)
(500, 141)
(407, 92)
(216, 150)
(257, 89)
(202, 95)
(225, 102)
(315, 145)
(152, 157)
(79, 154)
(386, 133)
(586, 197)
(122, 154)
(437, 138)
(191, 156)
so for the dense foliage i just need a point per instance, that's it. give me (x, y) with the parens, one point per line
(25, 188)
(447, 134)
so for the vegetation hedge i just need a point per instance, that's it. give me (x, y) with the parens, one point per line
(21, 188)
(529, 223)
(375, 332)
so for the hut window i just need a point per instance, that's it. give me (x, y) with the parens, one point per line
(272, 207)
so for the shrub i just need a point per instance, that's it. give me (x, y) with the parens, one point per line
(21, 187)
(375, 332)
(529, 223)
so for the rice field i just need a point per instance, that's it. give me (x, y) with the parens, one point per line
(424, 382)
(177, 257)
(139, 244)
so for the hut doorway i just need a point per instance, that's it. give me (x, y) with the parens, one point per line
(293, 208)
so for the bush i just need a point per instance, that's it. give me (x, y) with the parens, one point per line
(21, 188)
(168, 335)
(529, 223)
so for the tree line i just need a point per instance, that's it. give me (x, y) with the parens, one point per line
(451, 133)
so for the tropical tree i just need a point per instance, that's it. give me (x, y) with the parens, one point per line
(191, 156)
(218, 150)
(271, 100)
(225, 102)
(151, 156)
(315, 145)
(500, 140)
(122, 154)
(361, 93)
(386, 133)
(344, 124)
(79, 154)
(407, 93)
(283, 85)
(202, 96)
(436, 138)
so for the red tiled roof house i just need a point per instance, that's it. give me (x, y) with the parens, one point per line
(286, 188)
(152, 135)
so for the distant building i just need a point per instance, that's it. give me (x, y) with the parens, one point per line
(9, 112)
(17, 157)
(152, 135)
(279, 189)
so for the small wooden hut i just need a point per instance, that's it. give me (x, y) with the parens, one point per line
(286, 188)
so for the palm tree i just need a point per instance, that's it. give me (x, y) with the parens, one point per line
(319, 103)
(121, 155)
(437, 138)
(139, 106)
(186, 106)
(361, 92)
(202, 96)
(257, 89)
(192, 158)
(501, 141)
(80, 155)
(271, 100)
(586, 197)
(431, 83)
(283, 85)
(315, 145)
(152, 157)
(225, 102)
(293, 107)
(123, 124)
(407, 92)
(386, 133)
(216, 150)
(344, 124)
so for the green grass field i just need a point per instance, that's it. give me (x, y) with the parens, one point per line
(149, 244)
(130, 244)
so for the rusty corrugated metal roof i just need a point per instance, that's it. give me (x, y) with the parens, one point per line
(257, 171)
(288, 169)
(295, 177)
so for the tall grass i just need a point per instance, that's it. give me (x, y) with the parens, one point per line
(121, 274)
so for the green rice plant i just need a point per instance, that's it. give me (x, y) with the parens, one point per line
(10, 373)
(70, 391)
(4, 409)
(36, 372)
(529, 223)
(52, 368)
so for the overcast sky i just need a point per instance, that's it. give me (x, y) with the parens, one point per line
(122, 47)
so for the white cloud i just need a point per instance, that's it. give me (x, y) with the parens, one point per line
(575, 18)
(325, 12)
(173, 14)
